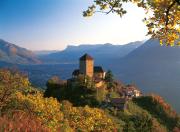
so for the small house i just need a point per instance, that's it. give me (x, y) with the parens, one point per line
(99, 72)
(131, 91)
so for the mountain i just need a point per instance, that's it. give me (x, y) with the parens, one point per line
(153, 68)
(11, 53)
(100, 52)
(44, 52)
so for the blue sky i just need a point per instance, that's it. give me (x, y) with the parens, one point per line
(54, 24)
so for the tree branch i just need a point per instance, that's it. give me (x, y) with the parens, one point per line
(116, 2)
(178, 1)
(168, 10)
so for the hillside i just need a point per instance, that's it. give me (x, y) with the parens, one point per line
(27, 109)
(101, 52)
(153, 68)
(13, 54)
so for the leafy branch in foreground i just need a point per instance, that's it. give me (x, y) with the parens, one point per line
(163, 23)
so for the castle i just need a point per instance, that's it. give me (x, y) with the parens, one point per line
(87, 68)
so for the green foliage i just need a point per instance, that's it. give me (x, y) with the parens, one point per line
(56, 88)
(46, 109)
(55, 116)
(101, 94)
(129, 127)
(10, 83)
(142, 122)
(87, 119)
(81, 96)
(109, 78)
(84, 81)
(160, 110)
(114, 94)
(80, 91)
(134, 119)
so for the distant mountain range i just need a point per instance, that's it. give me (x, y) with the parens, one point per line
(154, 68)
(13, 54)
(100, 52)
(44, 52)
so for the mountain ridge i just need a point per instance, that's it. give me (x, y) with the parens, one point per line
(12, 53)
(153, 68)
(99, 51)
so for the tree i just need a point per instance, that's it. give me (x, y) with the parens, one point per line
(109, 78)
(10, 83)
(55, 88)
(142, 122)
(163, 24)
(82, 92)
(47, 110)
(161, 110)
(87, 119)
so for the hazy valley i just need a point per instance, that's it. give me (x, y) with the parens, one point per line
(154, 69)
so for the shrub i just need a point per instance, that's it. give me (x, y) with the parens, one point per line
(160, 110)
(46, 109)
(87, 119)
(21, 121)
(10, 83)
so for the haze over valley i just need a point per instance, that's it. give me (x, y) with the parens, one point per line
(153, 68)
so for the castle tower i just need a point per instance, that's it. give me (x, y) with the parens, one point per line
(86, 65)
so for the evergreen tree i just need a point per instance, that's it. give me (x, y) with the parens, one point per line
(109, 77)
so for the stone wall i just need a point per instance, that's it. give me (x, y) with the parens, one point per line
(87, 67)
(82, 67)
(99, 75)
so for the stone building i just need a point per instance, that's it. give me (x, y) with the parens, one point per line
(99, 72)
(131, 91)
(86, 67)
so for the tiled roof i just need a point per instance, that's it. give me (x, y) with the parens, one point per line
(97, 80)
(98, 69)
(118, 100)
(86, 57)
(131, 88)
